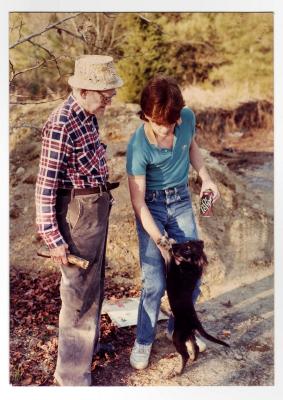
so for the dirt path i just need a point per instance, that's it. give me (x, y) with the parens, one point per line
(244, 314)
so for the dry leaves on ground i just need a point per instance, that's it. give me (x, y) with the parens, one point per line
(34, 311)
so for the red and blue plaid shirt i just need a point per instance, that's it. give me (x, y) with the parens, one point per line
(72, 156)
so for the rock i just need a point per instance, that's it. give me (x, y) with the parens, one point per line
(51, 328)
(20, 171)
(238, 356)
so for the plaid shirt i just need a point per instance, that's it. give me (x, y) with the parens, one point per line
(72, 156)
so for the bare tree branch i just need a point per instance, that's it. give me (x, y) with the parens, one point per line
(17, 25)
(70, 33)
(12, 69)
(148, 21)
(145, 19)
(42, 31)
(53, 58)
(20, 29)
(75, 26)
(28, 69)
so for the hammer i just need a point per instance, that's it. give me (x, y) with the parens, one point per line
(43, 251)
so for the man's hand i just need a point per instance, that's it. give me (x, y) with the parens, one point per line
(59, 254)
(209, 184)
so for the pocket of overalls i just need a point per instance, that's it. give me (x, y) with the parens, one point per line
(74, 213)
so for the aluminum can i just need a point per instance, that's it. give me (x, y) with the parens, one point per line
(206, 203)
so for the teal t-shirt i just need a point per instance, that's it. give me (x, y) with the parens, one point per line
(163, 168)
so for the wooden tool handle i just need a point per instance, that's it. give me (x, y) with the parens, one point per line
(75, 260)
(78, 261)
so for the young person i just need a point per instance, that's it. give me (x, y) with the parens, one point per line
(158, 158)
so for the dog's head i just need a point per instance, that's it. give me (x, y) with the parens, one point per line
(191, 252)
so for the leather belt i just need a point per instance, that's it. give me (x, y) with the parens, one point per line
(98, 189)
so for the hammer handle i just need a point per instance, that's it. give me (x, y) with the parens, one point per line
(72, 259)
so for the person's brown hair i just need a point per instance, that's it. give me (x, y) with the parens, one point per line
(161, 100)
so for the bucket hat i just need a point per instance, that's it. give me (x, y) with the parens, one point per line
(95, 72)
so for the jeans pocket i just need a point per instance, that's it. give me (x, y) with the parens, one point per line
(184, 195)
(150, 197)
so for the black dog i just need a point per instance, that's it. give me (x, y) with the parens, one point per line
(183, 271)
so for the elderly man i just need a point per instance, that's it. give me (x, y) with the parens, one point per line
(73, 203)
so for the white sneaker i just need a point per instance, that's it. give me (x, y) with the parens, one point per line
(200, 343)
(140, 355)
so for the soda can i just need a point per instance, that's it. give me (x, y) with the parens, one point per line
(206, 203)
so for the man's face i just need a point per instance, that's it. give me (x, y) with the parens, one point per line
(161, 130)
(95, 102)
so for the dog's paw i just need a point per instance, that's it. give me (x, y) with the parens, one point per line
(165, 242)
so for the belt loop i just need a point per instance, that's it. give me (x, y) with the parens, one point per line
(72, 194)
(100, 190)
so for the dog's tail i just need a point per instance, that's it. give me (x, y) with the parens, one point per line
(207, 336)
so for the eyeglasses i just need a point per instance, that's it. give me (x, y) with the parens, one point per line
(105, 99)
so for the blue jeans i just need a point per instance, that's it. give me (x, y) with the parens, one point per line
(172, 212)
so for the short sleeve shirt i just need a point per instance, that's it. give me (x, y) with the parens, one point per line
(163, 168)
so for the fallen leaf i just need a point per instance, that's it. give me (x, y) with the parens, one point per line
(27, 381)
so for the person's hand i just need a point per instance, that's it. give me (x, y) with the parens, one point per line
(165, 254)
(209, 184)
(164, 243)
(59, 254)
